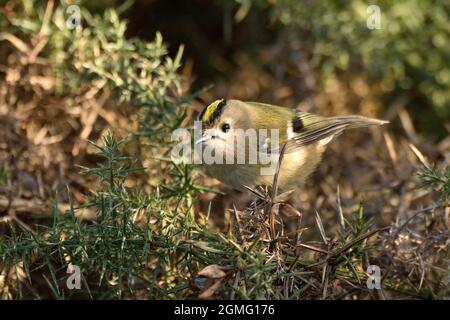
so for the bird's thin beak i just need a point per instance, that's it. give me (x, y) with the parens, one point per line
(205, 137)
(208, 135)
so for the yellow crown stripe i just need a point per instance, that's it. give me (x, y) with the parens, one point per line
(210, 110)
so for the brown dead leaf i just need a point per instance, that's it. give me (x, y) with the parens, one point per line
(285, 196)
(212, 271)
(290, 211)
(210, 291)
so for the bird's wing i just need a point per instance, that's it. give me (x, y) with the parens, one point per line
(308, 128)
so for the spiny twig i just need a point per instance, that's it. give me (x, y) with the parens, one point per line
(334, 254)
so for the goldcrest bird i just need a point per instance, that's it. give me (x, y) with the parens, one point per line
(305, 136)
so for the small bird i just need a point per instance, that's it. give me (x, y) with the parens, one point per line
(304, 137)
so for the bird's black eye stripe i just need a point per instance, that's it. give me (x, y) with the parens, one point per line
(225, 127)
(297, 124)
(218, 110)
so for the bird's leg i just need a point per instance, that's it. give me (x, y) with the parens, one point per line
(272, 208)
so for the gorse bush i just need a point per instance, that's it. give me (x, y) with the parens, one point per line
(83, 66)
(406, 60)
(88, 67)
(142, 246)
(136, 246)
(134, 229)
(438, 179)
(152, 246)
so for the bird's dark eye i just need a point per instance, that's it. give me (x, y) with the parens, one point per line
(225, 127)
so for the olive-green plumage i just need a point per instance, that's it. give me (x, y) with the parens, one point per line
(305, 135)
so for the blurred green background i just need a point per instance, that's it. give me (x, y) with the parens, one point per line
(405, 62)
(232, 43)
